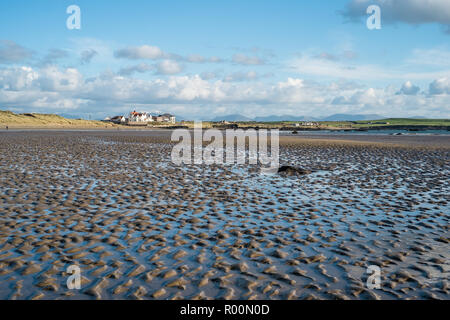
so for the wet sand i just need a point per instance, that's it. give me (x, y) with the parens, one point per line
(141, 227)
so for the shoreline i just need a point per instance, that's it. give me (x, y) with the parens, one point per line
(428, 140)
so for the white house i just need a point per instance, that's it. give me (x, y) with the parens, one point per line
(166, 117)
(144, 117)
(169, 118)
(139, 117)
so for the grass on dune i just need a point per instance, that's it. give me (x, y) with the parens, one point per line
(8, 118)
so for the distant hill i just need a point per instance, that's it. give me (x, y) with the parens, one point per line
(352, 117)
(283, 118)
(418, 117)
(232, 117)
(274, 118)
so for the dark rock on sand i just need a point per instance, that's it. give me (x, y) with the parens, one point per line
(291, 171)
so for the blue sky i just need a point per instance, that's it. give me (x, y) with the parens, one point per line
(203, 59)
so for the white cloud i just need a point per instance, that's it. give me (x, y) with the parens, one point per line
(215, 59)
(52, 79)
(139, 68)
(196, 58)
(168, 67)
(295, 90)
(15, 79)
(142, 52)
(53, 56)
(48, 88)
(88, 55)
(60, 89)
(409, 89)
(440, 86)
(154, 53)
(243, 59)
(11, 52)
(208, 75)
(245, 76)
(366, 97)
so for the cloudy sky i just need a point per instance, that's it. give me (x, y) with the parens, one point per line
(202, 59)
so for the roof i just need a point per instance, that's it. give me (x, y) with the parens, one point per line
(134, 113)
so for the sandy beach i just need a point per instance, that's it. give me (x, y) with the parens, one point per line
(140, 227)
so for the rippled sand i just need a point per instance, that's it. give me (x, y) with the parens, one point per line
(142, 228)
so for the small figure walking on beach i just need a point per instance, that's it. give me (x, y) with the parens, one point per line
(7, 128)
